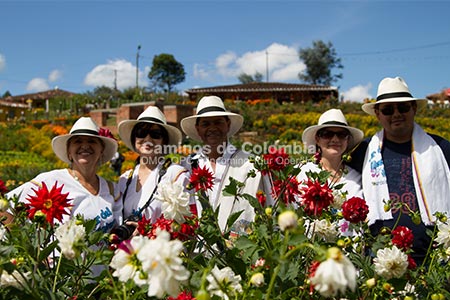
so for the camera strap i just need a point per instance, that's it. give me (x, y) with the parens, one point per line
(162, 172)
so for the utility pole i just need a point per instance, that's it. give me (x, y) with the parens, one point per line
(115, 80)
(137, 66)
(267, 66)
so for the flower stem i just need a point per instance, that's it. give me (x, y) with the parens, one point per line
(56, 274)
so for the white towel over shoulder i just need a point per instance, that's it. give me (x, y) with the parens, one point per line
(431, 177)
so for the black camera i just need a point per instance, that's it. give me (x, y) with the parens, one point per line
(124, 231)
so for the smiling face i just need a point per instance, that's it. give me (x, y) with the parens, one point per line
(148, 139)
(397, 119)
(83, 149)
(333, 141)
(213, 130)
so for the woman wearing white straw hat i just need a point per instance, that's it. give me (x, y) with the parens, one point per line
(333, 138)
(213, 125)
(152, 138)
(93, 197)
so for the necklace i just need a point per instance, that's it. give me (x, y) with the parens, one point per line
(72, 172)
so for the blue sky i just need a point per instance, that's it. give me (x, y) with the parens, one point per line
(78, 45)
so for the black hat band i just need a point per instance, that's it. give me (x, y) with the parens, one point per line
(85, 131)
(394, 95)
(210, 109)
(151, 119)
(334, 123)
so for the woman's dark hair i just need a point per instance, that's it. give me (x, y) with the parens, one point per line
(147, 126)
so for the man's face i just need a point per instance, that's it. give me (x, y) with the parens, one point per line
(213, 130)
(397, 119)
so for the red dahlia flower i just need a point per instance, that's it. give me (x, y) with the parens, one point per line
(276, 159)
(316, 197)
(355, 210)
(261, 198)
(402, 237)
(181, 232)
(286, 190)
(52, 204)
(3, 189)
(201, 179)
(182, 296)
(106, 133)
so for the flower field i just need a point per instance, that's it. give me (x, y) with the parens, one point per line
(308, 243)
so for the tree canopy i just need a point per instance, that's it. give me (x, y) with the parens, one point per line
(166, 72)
(247, 78)
(320, 59)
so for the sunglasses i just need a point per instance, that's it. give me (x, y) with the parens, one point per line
(389, 110)
(142, 132)
(328, 134)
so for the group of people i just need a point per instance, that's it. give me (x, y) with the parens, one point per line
(400, 163)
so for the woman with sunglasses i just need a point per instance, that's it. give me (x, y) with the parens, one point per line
(332, 138)
(151, 138)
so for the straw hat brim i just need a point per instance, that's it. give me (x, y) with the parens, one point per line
(125, 127)
(188, 123)
(369, 108)
(59, 145)
(309, 134)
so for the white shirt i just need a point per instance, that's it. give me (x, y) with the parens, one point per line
(135, 200)
(101, 207)
(233, 163)
(351, 179)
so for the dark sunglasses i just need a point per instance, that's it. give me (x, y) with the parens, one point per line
(389, 110)
(144, 131)
(328, 134)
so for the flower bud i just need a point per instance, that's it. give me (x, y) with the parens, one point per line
(340, 243)
(387, 207)
(287, 220)
(39, 217)
(257, 279)
(202, 295)
(268, 211)
(416, 218)
(371, 282)
(4, 204)
(387, 287)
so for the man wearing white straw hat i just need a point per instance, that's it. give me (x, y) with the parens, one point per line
(213, 125)
(404, 165)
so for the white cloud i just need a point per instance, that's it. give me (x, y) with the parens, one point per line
(281, 61)
(120, 70)
(2, 62)
(37, 85)
(358, 93)
(55, 75)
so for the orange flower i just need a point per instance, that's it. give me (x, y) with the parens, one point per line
(51, 203)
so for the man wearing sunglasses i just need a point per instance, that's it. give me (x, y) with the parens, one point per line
(403, 166)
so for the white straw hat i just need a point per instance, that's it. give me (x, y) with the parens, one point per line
(392, 90)
(84, 126)
(210, 106)
(152, 115)
(332, 118)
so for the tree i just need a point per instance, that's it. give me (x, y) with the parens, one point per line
(319, 61)
(166, 72)
(6, 94)
(246, 78)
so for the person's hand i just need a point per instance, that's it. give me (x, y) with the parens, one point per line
(135, 225)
